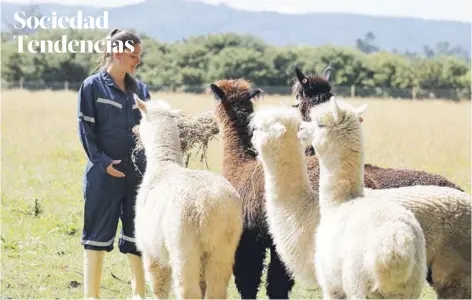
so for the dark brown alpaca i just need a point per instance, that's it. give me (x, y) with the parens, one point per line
(233, 110)
(312, 90)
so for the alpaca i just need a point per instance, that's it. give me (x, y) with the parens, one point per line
(392, 178)
(239, 166)
(365, 246)
(188, 222)
(313, 90)
(233, 109)
(292, 210)
(444, 213)
(293, 215)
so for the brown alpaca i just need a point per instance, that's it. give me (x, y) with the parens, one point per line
(240, 167)
(312, 90)
(391, 178)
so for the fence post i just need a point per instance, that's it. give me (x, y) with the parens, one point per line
(413, 93)
(22, 81)
(66, 85)
(353, 91)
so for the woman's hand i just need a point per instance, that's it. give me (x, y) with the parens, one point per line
(114, 172)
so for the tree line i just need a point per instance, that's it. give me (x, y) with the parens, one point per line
(191, 64)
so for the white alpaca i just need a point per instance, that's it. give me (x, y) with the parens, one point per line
(364, 246)
(292, 206)
(292, 210)
(188, 222)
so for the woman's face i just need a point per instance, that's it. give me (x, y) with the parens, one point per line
(128, 61)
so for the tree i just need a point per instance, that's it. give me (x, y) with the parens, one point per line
(192, 64)
(366, 45)
(240, 63)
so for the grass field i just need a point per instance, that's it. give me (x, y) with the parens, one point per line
(43, 163)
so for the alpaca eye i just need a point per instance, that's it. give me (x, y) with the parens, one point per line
(321, 126)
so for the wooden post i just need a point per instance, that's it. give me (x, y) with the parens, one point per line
(66, 85)
(353, 91)
(413, 93)
(22, 81)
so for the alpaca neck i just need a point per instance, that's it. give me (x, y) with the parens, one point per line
(286, 172)
(291, 206)
(163, 154)
(164, 148)
(341, 178)
(237, 142)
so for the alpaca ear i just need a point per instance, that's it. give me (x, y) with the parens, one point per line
(336, 110)
(301, 77)
(255, 93)
(217, 92)
(305, 132)
(140, 104)
(278, 129)
(327, 73)
(360, 110)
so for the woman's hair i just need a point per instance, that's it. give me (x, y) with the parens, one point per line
(123, 36)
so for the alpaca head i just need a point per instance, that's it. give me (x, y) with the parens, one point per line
(275, 131)
(335, 126)
(311, 90)
(234, 99)
(158, 122)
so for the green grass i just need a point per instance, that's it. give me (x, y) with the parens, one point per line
(43, 163)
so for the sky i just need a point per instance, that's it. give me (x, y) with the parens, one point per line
(456, 10)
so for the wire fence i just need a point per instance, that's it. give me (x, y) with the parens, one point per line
(345, 91)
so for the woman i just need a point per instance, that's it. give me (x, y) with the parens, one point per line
(107, 115)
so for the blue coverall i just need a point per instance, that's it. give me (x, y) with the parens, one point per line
(106, 118)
